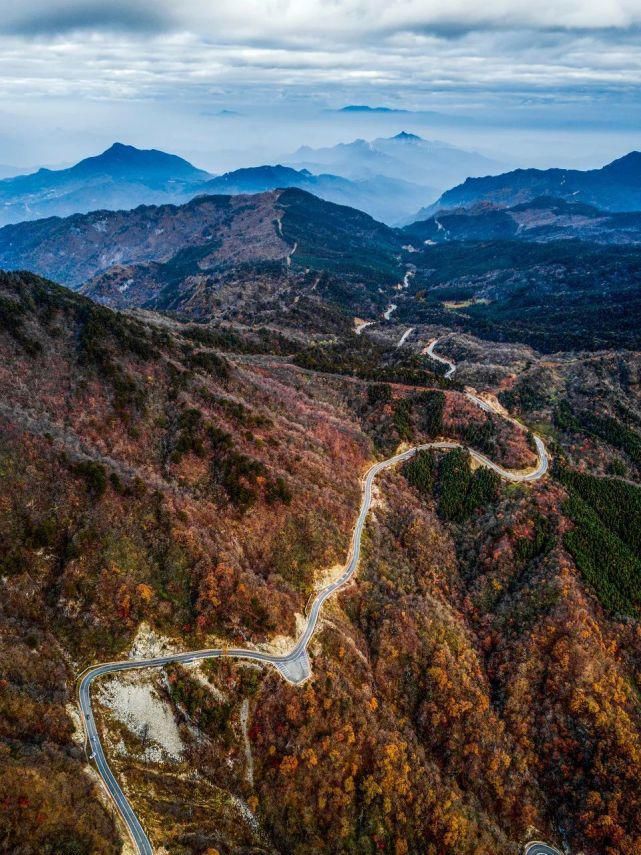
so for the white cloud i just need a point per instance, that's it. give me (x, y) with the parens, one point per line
(358, 18)
(413, 53)
(303, 19)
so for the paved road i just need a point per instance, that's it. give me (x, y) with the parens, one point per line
(294, 666)
(387, 314)
(362, 326)
(536, 848)
(404, 337)
(429, 350)
(289, 254)
(542, 454)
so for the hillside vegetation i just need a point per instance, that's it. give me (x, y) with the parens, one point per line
(190, 483)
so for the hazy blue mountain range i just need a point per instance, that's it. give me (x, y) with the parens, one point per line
(614, 187)
(365, 108)
(121, 177)
(389, 179)
(9, 171)
(386, 199)
(405, 156)
(543, 219)
(124, 177)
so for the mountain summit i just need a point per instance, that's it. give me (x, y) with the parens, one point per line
(121, 177)
(121, 159)
(405, 157)
(404, 136)
(628, 167)
(387, 199)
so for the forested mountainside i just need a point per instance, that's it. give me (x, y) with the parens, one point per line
(545, 218)
(167, 483)
(614, 187)
(573, 283)
(211, 228)
(156, 256)
(554, 296)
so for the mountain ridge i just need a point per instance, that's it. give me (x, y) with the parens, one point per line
(120, 177)
(123, 177)
(405, 156)
(72, 249)
(161, 253)
(613, 187)
(542, 219)
(386, 199)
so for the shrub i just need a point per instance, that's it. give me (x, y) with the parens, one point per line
(95, 476)
(12, 322)
(379, 393)
(189, 439)
(278, 491)
(210, 363)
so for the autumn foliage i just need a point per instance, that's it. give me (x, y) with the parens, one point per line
(468, 688)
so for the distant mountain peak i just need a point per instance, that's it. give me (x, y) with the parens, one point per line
(365, 108)
(118, 146)
(404, 136)
(122, 176)
(121, 151)
(122, 159)
(629, 163)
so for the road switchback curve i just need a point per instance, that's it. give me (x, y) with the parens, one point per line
(294, 666)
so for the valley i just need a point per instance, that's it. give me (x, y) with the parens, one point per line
(320, 428)
(293, 666)
(224, 398)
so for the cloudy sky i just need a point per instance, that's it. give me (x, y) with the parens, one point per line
(227, 81)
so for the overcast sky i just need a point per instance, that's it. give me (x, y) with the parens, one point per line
(520, 77)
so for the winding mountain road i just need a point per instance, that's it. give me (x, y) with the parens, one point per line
(293, 666)
(361, 325)
(536, 848)
(290, 254)
(387, 314)
(405, 336)
(429, 350)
